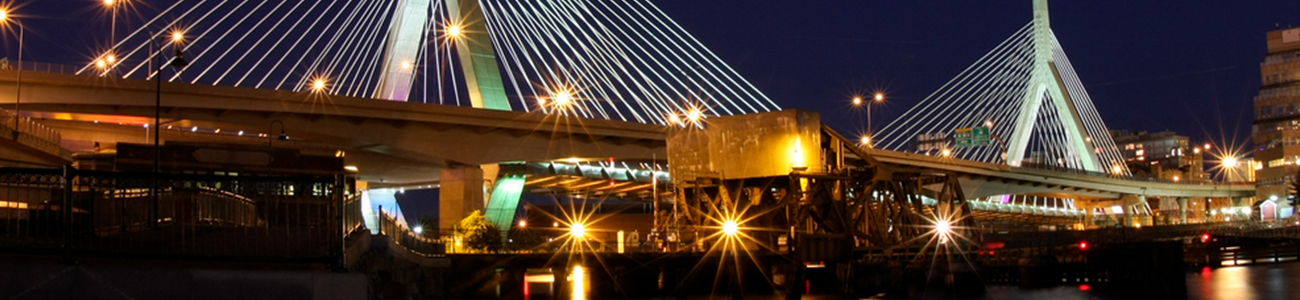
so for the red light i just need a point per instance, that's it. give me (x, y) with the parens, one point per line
(991, 253)
(1083, 245)
(1205, 237)
(1084, 287)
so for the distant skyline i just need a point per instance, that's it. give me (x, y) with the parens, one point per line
(1191, 68)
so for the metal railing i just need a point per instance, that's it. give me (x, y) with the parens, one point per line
(32, 133)
(7, 64)
(100, 213)
(1060, 169)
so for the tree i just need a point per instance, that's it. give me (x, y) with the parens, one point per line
(477, 233)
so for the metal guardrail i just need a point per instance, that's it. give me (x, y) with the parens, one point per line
(32, 133)
(95, 213)
(1058, 169)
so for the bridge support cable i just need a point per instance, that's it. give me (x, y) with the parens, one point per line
(1029, 95)
(620, 60)
(625, 61)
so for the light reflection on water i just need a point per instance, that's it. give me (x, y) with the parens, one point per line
(1265, 281)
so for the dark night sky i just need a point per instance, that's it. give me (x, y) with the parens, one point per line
(1191, 67)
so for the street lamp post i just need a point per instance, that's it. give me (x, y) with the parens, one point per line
(879, 97)
(177, 61)
(270, 128)
(18, 94)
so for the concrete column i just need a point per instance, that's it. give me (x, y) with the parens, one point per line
(1137, 209)
(1182, 210)
(461, 192)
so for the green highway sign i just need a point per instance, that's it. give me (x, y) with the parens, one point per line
(971, 136)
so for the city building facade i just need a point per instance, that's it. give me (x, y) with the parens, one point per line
(1165, 155)
(1276, 128)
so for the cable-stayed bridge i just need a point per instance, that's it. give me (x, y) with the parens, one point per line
(583, 81)
(617, 60)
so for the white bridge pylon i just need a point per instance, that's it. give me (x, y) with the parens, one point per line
(1027, 92)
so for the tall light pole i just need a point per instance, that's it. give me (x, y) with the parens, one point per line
(18, 95)
(179, 62)
(875, 99)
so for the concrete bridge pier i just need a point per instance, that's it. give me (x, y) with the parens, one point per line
(1182, 210)
(461, 192)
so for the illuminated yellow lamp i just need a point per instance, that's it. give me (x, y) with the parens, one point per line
(946, 152)
(1175, 178)
(101, 64)
(1207, 146)
(880, 97)
(406, 65)
(1116, 169)
(730, 228)
(578, 230)
(1230, 162)
(110, 58)
(523, 223)
(318, 85)
(453, 31)
(1087, 139)
(178, 36)
(694, 115)
(574, 160)
(857, 101)
(988, 123)
(866, 140)
(674, 119)
(943, 229)
(350, 168)
(1196, 150)
(4, 14)
(564, 98)
(109, 2)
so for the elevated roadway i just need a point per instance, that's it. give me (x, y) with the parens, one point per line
(404, 141)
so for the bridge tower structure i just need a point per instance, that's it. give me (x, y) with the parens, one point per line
(1026, 93)
(1046, 84)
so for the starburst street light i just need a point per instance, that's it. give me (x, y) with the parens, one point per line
(943, 229)
(18, 92)
(454, 31)
(318, 85)
(730, 228)
(564, 98)
(578, 230)
(1230, 162)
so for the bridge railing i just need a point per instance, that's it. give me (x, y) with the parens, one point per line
(31, 133)
(1060, 169)
(405, 237)
(100, 213)
(9, 64)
